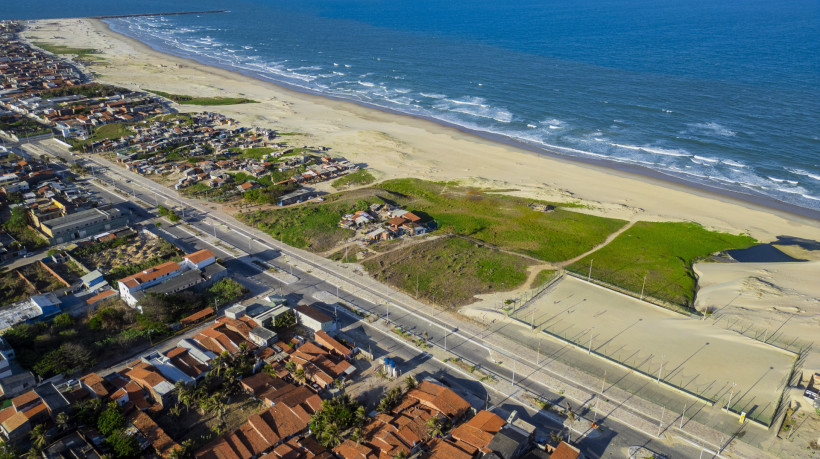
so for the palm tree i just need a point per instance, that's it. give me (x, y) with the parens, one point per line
(410, 383)
(8, 451)
(434, 426)
(185, 395)
(339, 383)
(361, 416)
(290, 366)
(331, 436)
(183, 451)
(39, 437)
(357, 435)
(571, 417)
(62, 421)
(400, 455)
(300, 376)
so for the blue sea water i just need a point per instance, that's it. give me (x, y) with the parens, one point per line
(724, 94)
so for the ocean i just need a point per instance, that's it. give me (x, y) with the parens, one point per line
(718, 94)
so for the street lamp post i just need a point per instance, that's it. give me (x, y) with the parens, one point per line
(589, 276)
(589, 349)
(643, 286)
(663, 356)
(729, 403)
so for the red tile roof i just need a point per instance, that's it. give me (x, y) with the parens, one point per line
(199, 256)
(150, 274)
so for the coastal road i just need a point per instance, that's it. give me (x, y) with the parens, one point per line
(242, 250)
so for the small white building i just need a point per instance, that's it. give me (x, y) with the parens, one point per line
(312, 318)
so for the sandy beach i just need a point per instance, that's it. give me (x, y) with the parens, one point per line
(401, 146)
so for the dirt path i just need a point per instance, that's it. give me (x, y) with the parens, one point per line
(609, 239)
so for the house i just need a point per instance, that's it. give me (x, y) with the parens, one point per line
(297, 196)
(282, 423)
(320, 368)
(440, 398)
(328, 342)
(150, 379)
(39, 405)
(199, 260)
(196, 317)
(247, 186)
(262, 337)
(566, 451)
(479, 431)
(509, 443)
(227, 335)
(14, 385)
(404, 430)
(94, 281)
(195, 269)
(194, 364)
(104, 295)
(144, 279)
(96, 386)
(312, 318)
(159, 440)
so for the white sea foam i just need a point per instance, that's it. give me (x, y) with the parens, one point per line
(366, 83)
(804, 173)
(655, 150)
(729, 162)
(813, 198)
(432, 95)
(713, 128)
(704, 159)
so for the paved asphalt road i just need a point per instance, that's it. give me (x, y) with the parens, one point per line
(199, 231)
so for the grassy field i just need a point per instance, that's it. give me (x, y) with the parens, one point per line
(449, 271)
(312, 226)
(60, 49)
(661, 251)
(542, 277)
(190, 100)
(358, 178)
(504, 221)
(253, 153)
(13, 289)
(111, 131)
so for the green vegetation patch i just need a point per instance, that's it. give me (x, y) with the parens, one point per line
(312, 226)
(87, 90)
(111, 131)
(661, 251)
(358, 178)
(60, 49)
(449, 271)
(253, 153)
(17, 227)
(190, 100)
(13, 288)
(22, 126)
(542, 277)
(505, 221)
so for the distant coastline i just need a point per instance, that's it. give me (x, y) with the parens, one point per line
(553, 152)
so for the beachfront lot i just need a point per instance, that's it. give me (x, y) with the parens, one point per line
(687, 353)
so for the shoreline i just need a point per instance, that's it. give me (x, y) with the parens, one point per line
(617, 190)
(550, 151)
